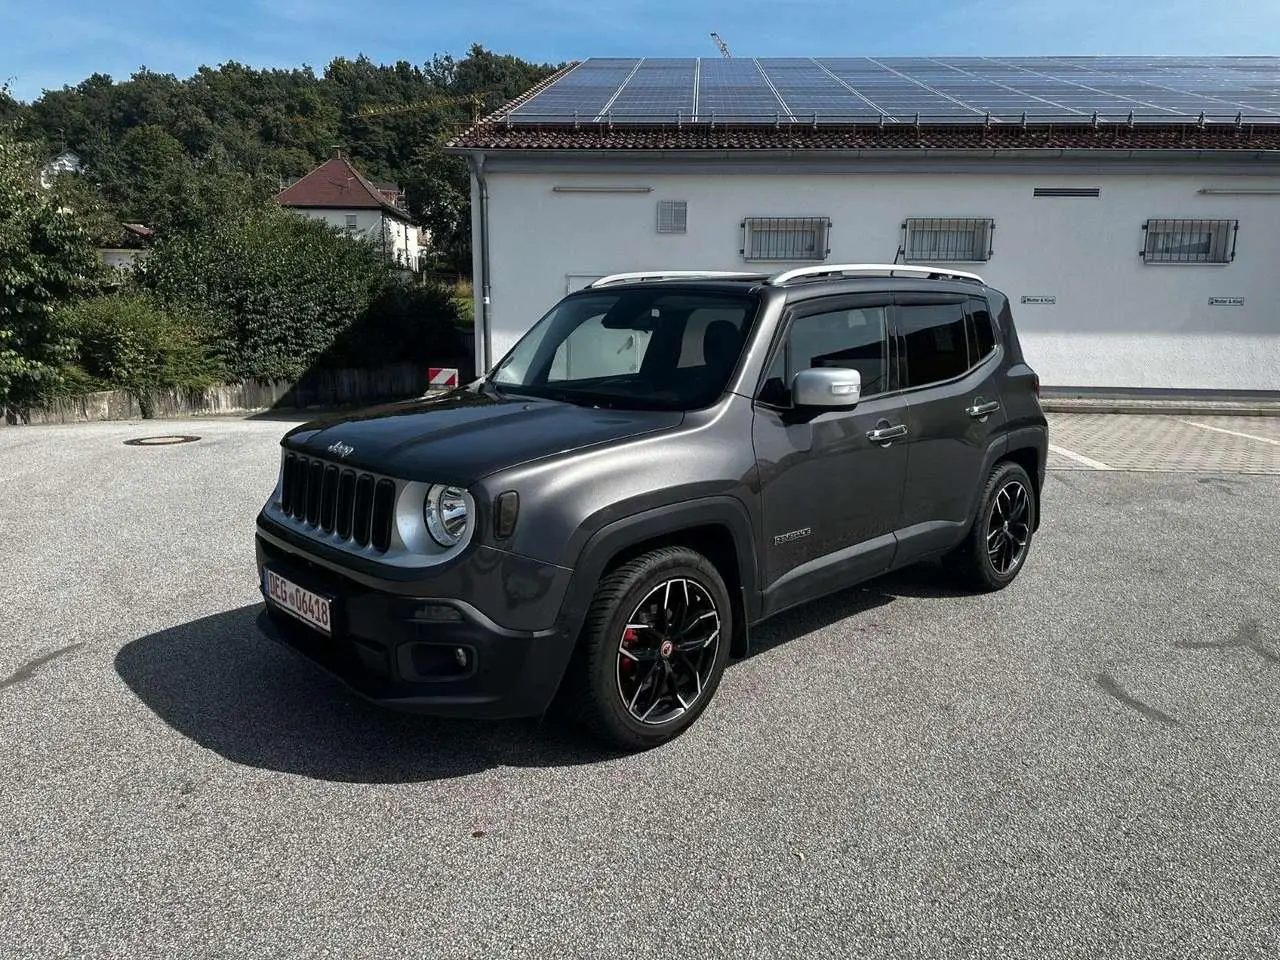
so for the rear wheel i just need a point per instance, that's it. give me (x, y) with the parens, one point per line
(655, 644)
(996, 548)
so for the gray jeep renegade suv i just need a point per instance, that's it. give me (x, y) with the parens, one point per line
(660, 463)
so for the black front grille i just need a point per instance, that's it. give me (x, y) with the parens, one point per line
(315, 480)
(384, 502)
(355, 506)
(346, 503)
(329, 498)
(364, 509)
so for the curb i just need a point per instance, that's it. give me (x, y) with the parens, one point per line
(1178, 408)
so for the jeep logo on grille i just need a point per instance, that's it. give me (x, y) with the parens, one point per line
(341, 450)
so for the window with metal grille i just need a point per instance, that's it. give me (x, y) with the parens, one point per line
(673, 216)
(352, 221)
(1190, 241)
(785, 238)
(947, 240)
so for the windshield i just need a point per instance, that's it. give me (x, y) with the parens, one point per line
(639, 349)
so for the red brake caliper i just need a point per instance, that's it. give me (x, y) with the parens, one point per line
(629, 636)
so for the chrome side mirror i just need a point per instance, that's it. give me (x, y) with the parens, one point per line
(832, 387)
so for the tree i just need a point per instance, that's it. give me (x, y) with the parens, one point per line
(179, 153)
(438, 193)
(11, 111)
(84, 200)
(46, 260)
(144, 172)
(509, 76)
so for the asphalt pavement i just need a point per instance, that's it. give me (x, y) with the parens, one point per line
(1083, 765)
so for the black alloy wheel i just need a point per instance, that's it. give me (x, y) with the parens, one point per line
(654, 646)
(996, 547)
(667, 651)
(1009, 527)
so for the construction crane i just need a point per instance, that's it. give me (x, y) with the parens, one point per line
(476, 101)
(724, 47)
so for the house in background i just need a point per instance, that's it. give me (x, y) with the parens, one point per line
(68, 161)
(130, 249)
(1129, 206)
(339, 194)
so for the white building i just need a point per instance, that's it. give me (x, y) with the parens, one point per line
(344, 198)
(68, 161)
(121, 258)
(1138, 252)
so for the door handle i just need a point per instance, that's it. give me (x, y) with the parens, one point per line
(883, 434)
(983, 409)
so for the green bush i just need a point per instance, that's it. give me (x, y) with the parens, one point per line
(126, 341)
(464, 297)
(282, 294)
(402, 323)
(46, 259)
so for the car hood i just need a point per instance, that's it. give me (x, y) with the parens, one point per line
(465, 436)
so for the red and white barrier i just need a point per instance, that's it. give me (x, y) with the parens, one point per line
(442, 377)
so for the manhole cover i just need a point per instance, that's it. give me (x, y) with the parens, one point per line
(158, 441)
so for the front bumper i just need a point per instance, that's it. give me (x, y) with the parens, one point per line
(397, 643)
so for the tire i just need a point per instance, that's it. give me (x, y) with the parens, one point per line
(633, 630)
(1009, 494)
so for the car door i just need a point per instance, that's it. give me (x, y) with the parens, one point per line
(830, 484)
(950, 367)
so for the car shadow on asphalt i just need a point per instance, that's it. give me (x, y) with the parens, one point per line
(217, 681)
(925, 580)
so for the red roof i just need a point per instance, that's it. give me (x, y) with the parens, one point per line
(337, 185)
(496, 134)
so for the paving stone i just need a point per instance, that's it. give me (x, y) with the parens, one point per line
(1176, 444)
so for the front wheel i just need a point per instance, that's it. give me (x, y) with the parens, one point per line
(655, 644)
(996, 548)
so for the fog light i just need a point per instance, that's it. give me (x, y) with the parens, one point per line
(460, 655)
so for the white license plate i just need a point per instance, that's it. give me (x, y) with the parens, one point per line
(310, 608)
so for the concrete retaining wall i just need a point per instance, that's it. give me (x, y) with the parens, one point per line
(324, 388)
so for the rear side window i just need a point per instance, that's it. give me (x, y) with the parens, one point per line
(984, 334)
(936, 341)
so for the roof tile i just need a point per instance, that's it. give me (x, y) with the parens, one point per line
(493, 134)
(339, 185)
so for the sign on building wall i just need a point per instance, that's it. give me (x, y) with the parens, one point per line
(1226, 301)
(1040, 300)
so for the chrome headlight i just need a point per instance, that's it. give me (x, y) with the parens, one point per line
(447, 513)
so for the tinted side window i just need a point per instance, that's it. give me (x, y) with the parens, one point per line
(935, 340)
(984, 334)
(853, 339)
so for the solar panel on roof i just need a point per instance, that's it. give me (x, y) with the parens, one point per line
(657, 88)
(896, 89)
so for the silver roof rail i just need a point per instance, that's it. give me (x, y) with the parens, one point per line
(872, 270)
(674, 275)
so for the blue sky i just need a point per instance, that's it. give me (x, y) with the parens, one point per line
(57, 42)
